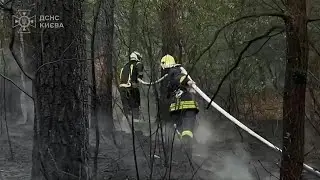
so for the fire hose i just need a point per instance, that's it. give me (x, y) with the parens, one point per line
(248, 130)
(234, 120)
(152, 83)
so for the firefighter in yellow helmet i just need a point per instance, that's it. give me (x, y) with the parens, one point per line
(129, 90)
(183, 108)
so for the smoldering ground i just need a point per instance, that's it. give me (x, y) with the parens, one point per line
(227, 156)
(220, 151)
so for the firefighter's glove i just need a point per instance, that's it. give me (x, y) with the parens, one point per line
(190, 83)
(178, 93)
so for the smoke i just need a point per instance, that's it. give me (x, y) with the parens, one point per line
(236, 166)
(120, 121)
(227, 156)
(20, 107)
(27, 105)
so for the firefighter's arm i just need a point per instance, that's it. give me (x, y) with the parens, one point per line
(185, 80)
(140, 68)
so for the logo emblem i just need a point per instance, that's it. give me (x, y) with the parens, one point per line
(24, 21)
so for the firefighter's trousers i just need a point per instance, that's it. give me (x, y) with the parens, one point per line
(130, 98)
(185, 121)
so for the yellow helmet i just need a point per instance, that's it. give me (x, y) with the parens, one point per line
(167, 61)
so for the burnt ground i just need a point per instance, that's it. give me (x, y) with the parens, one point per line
(225, 160)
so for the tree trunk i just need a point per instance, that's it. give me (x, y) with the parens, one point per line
(94, 99)
(61, 95)
(294, 91)
(168, 16)
(169, 19)
(133, 31)
(93, 69)
(23, 82)
(106, 85)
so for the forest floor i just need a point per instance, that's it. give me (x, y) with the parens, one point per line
(220, 160)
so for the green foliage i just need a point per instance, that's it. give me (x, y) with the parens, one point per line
(262, 65)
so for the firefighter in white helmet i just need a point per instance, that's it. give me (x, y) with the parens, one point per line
(183, 108)
(129, 89)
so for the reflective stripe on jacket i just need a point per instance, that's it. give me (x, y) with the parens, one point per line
(178, 91)
(183, 105)
(130, 73)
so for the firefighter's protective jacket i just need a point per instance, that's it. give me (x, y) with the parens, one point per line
(178, 91)
(130, 73)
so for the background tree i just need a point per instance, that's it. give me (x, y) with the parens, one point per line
(235, 50)
(60, 91)
(295, 90)
(107, 66)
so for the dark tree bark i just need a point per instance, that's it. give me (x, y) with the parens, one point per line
(93, 70)
(61, 94)
(168, 17)
(94, 111)
(170, 45)
(169, 20)
(106, 85)
(133, 31)
(294, 91)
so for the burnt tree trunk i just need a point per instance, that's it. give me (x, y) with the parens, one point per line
(294, 91)
(61, 95)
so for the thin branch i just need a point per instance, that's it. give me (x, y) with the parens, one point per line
(240, 57)
(269, 5)
(5, 109)
(6, 78)
(269, 37)
(258, 175)
(310, 151)
(314, 76)
(313, 20)
(5, 8)
(230, 23)
(314, 47)
(266, 169)
(275, 2)
(61, 60)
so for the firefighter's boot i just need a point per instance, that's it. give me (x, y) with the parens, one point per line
(187, 140)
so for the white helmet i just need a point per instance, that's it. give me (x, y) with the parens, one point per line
(135, 56)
